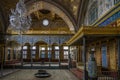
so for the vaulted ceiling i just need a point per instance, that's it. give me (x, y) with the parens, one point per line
(63, 17)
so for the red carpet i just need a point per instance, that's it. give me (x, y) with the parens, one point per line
(77, 72)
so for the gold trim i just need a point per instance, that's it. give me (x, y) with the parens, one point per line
(94, 31)
(40, 32)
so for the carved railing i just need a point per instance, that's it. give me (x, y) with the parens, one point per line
(108, 75)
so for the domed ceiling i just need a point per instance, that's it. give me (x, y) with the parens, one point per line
(63, 18)
(54, 21)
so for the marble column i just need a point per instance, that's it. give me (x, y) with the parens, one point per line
(69, 58)
(21, 56)
(59, 56)
(37, 52)
(31, 51)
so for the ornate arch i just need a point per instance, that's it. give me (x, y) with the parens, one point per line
(48, 6)
(83, 7)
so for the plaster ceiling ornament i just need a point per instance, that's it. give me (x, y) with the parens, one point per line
(19, 20)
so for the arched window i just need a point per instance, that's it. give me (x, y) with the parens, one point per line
(56, 52)
(65, 48)
(42, 52)
(49, 52)
(33, 52)
(25, 52)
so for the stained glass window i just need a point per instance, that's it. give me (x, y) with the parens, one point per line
(56, 47)
(24, 47)
(45, 22)
(65, 47)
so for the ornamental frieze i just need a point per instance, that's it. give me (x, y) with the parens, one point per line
(32, 39)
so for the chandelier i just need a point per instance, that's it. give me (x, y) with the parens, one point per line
(19, 20)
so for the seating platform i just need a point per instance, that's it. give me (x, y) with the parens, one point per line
(77, 72)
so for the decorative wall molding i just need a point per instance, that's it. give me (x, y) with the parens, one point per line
(94, 32)
(32, 39)
(46, 32)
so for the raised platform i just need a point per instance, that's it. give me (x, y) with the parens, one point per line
(77, 72)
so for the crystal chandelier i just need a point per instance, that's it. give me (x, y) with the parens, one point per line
(19, 20)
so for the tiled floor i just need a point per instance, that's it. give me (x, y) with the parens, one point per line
(29, 75)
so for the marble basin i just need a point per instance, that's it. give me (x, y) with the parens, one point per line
(42, 74)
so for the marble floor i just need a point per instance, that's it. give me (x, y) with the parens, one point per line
(28, 74)
(7, 72)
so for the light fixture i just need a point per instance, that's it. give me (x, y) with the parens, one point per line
(45, 22)
(20, 21)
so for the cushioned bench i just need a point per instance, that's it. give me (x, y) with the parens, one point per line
(77, 72)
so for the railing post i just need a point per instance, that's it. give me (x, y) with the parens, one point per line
(21, 36)
(31, 58)
(69, 58)
(21, 51)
